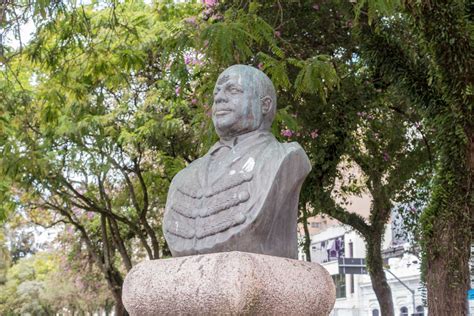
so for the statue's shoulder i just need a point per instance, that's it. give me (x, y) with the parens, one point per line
(293, 150)
(190, 171)
(284, 153)
(292, 147)
(295, 158)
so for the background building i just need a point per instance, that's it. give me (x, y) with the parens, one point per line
(354, 293)
(330, 241)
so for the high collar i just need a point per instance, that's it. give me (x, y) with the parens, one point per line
(238, 140)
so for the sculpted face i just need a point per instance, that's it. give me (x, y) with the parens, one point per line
(235, 110)
(238, 108)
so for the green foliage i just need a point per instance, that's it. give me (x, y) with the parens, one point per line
(110, 100)
(21, 293)
(41, 285)
(317, 76)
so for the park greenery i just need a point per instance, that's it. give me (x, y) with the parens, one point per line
(109, 100)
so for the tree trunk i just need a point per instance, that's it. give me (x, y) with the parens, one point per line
(115, 282)
(307, 236)
(119, 308)
(377, 274)
(447, 247)
(447, 269)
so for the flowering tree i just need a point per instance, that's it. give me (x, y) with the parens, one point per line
(109, 101)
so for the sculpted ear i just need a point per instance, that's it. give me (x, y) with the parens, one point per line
(267, 104)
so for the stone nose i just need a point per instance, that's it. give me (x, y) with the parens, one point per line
(220, 97)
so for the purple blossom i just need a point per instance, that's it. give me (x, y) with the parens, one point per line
(386, 156)
(277, 33)
(194, 101)
(287, 133)
(316, 7)
(90, 215)
(187, 59)
(218, 17)
(177, 90)
(260, 66)
(209, 3)
(191, 20)
(314, 134)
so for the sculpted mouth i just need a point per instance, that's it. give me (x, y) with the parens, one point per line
(222, 112)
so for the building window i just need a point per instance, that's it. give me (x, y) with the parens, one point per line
(420, 311)
(375, 312)
(404, 311)
(340, 282)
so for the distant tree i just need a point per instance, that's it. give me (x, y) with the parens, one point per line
(5, 259)
(96, 128)
(44, 284)
(21, 294)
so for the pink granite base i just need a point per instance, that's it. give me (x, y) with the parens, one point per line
(232, 283)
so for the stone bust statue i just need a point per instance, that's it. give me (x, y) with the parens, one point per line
(243, 194)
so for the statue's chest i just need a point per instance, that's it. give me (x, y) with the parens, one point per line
(202, 208)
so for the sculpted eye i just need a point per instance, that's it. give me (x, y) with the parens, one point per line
(234, 90)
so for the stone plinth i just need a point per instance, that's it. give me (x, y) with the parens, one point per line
(232, 283)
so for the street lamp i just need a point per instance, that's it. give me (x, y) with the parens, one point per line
(406, 286)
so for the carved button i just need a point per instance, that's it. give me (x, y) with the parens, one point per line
(200, 193)
(243, 196)
(246, 176)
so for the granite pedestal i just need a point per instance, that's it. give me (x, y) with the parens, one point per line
(229, 283)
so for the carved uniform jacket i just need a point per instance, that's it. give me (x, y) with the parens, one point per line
(241, 197)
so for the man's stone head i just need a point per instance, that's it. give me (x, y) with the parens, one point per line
(244, 101)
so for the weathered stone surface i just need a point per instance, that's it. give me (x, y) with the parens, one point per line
(229, 283)
(243, 194)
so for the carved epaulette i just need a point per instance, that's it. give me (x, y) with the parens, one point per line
(211, 228)
(219, 205)
(181, 229)
(189, 211)
(228, 183)
(208, 212)
(192, 193)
